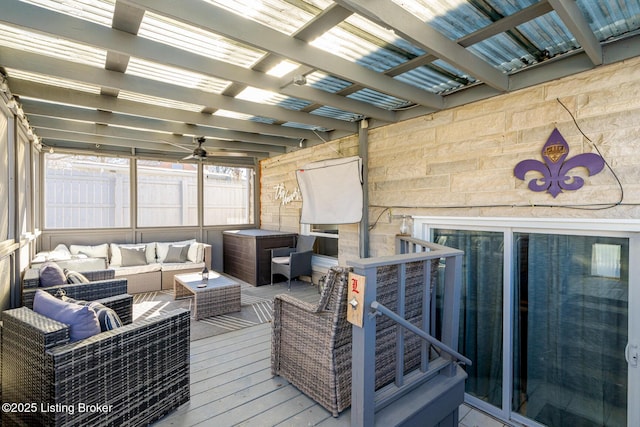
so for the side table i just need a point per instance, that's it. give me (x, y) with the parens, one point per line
(221, 295)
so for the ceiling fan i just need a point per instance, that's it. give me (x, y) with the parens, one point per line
(199, 153)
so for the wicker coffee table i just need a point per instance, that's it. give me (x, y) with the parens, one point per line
(221, 295)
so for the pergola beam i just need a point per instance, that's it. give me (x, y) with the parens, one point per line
(41, 123)
(107, 135)
(88, 100)
(223, 22)
(58, 68)
(44, 109)
(575, 21)
(121, 45)
(391, 15)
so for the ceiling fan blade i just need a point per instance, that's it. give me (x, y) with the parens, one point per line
(182, 147)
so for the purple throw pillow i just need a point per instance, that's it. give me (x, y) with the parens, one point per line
(51, 274)
(82, 320)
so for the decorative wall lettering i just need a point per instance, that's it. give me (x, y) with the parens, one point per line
(556, 167)
(285, 196)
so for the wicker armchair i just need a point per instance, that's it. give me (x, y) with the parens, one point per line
(129, 376)
(311, 344)
(31, 277)
(103, 285)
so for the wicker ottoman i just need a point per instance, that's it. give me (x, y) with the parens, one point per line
(221, 295)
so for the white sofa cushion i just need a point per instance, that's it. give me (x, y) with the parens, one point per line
(175, 266)
(136, 269)
(95, 251)
(54, 255)
(195, 253)
(116, 254)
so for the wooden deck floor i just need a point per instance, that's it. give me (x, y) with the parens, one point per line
(231, 383)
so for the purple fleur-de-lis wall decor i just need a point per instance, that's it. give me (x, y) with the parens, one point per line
(556, 167)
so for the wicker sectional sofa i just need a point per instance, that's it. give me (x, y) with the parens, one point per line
(153, 273)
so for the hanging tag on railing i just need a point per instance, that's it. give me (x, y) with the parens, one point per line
(355, 299)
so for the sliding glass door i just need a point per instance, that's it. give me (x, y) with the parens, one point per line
(570, 329)
(481, 308)
(546, 319)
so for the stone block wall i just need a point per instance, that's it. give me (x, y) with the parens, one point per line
(279, 173)
(460, 161)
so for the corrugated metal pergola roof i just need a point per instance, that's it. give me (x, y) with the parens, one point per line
(146, 76)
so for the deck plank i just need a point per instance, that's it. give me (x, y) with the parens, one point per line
(311, 416)
(279, 414)
(223, 364)
(235, 407)
(252, 403)
(254, 351)
(234, 375)
(228, 339)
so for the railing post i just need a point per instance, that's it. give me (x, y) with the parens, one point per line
(401, 246)
(400, 310)
(451, 302)
(426, 314)
(363, 361)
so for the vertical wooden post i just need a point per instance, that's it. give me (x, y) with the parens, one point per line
(363, 150)
(363, 361)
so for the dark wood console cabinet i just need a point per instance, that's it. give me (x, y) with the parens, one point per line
(247, 253)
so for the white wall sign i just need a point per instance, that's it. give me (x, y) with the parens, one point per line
(285, 196)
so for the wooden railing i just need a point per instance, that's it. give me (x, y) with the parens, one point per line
(442, 261)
